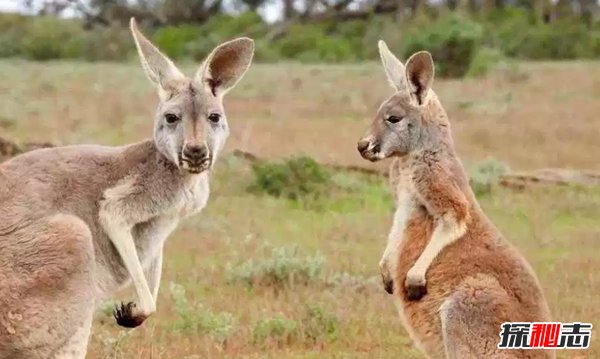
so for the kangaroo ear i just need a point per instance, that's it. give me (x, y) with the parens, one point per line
(420, 72)
(394, 69)
(226, 65)
(158, 67)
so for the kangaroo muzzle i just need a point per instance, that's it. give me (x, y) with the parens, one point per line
(196, 158)
(369, 149)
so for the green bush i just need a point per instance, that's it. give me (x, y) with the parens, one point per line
(517, 34)
(453, 41)
(226, 27)
(457, 41)
(49, 38)
(299, 39)
(485, 175)
(12, 30)
(10, 45)
(485, 60)
(546, 41)
(195, 319)
(296, 178)
(314, 43)
(284, 268)
(319, 325)
(108, 44)
(175, 41)
(277, 329)
(265, 51)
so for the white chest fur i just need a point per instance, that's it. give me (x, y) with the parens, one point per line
(402, 215)
(404, 207)
(193, 196)
(405, 202)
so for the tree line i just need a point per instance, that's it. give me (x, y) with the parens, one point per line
(177, 12)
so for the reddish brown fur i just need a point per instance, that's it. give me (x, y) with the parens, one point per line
(455, 278)
(482, 250)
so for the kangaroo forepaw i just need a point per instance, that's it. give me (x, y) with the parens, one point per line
(127, 316)
(388, 284)
(416, 292)
(415, 286)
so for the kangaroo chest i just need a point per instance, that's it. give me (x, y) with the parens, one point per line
(163, 213)
(406, 202)
(411, 228)
(192, 197)
(150, 236)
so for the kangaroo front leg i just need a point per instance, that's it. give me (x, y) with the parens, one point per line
(446, 231)
(153, 274)
(448, 206)
(129, 315)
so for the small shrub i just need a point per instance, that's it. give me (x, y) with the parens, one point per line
(296, 178)
(195, 319)
(111, 345)
(107, 44)
(265, 52)
(226, 27)
(175, 40)
(345, 279)
(485, 60)
(551, 41)
(285, 267)
(487, 174)
(453, 41)
(517, 34)
(13, 28)
(319, 325)
(202, 47)
(328, 49)
(315, 43)
(104, 313)
(49, 38)
(277, 329)
(299, 39)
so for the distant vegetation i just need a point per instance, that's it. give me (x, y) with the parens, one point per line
(463, 42)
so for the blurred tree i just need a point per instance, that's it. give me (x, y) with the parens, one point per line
(174, 12)
(253, 5)
(189, 11)
(588, 10)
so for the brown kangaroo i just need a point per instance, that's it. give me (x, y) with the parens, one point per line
(454, 277)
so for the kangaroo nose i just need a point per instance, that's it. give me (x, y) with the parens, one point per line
(195, 152)
(362, 146)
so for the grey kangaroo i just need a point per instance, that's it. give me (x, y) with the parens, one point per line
(78, 223)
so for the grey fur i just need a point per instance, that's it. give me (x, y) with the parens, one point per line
(78, 223)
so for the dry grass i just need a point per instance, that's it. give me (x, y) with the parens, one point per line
(544, 119)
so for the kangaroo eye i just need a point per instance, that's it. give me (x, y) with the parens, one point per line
(171, 118)
(394, 119)
(214, 117)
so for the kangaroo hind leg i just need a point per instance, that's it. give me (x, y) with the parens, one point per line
(471, 319)
(76, 346)
(47, 291)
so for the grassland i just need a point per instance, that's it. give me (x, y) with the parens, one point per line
(531, 116)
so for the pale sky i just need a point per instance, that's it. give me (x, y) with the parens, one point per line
(10, 5)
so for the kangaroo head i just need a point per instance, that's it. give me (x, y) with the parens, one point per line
(410, 119)
(190, 127)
